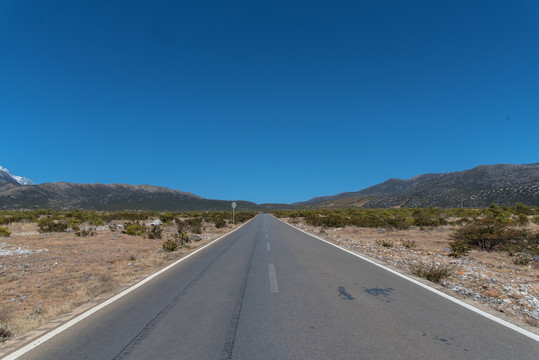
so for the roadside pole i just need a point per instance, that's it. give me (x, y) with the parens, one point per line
(233, 207)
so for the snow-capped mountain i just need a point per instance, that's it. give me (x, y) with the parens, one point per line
(14, 179)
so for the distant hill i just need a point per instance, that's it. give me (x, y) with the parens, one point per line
(503, 184)
(112, 197)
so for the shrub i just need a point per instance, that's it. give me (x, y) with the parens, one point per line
(166, 218)
(4, 232)
(170, 245)
(75, 225)
(410, 244)
(5, 333)
(220, 223)
(521, 260)
(520, 208)
(385, 243)
(155, 232)
(85, 232)
(398, 222)
(522, 219)
(135, 229)
(433, 272)
(181, 238)
(459, 248)
(196, 229)
(483, 233)
(48, 225)
(427, 217)
(180, 224)
(195, 225)
(96, 221)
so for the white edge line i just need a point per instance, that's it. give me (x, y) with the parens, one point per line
(438, 292)
(96, 308)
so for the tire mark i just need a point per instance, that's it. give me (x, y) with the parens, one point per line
(132, 345)
(233, 327)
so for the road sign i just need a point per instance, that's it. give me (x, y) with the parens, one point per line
(233, 204)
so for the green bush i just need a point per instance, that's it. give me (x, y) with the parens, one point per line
(520, 208)
(459, 248)
(181, 238)
(220, 223)
(4, 232)
(166, 217)
(135, 229)
(180, 224)
(522, 219)
(170, 245)
(48, 225)
(427, 218)
(96, 221)
(482, 233)
(75, 225)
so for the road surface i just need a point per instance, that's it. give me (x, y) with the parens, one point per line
(269, 291)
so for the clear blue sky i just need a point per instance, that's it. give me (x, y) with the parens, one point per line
(274, 101)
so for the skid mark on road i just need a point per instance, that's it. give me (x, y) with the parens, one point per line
(343, 294)
(233, 327)
(384, 294)
(137, 340)
(445, 341)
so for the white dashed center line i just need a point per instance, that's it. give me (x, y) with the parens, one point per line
(273, 279)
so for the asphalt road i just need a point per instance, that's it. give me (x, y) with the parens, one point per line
(268, 291)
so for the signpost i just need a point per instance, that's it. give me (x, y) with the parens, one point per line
(233, 207)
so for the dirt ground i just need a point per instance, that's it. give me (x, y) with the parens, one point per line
(43, 276)
(488, 277)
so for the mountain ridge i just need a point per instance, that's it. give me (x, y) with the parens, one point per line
(113, 197)
(505, 184)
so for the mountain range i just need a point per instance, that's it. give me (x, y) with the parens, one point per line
(503, 184)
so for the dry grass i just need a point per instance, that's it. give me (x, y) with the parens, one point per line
(432, 271)
(50, 274)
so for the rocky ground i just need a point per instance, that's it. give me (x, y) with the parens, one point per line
(43, 276)
(487, 277)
